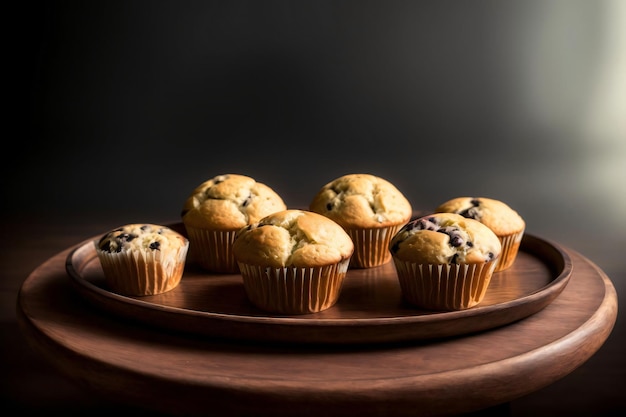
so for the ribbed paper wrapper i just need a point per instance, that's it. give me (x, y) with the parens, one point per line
(444, 287)
(510, 248)
(293, 290)
(212, 249)
(371, 246)
(138, 273)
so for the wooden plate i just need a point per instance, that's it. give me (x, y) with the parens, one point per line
(370, 308)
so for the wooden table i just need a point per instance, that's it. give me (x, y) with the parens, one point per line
(186, 375)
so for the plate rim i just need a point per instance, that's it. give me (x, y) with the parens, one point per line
(547, 293)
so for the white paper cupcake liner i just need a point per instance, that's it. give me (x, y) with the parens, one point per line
(139, 273)
(292, 290)
(510, 248)
(212, 250)
(444, 287)
(371, 246)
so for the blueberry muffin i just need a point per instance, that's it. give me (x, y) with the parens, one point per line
(370, 209)
(142, 259)
(505, 222)
(216, 209)
(293, 261)
(445, 261)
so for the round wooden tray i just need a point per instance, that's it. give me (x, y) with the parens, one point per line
(370, 308)
(183, 374)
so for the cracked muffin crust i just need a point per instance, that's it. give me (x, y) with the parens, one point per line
(495, 214)
(293, 238)
(141, 236)
(362, 201)
(229, 201)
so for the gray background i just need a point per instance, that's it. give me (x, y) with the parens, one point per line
(128, 105)
(133, 104)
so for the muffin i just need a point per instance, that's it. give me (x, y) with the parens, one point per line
(505, 222)
(216, 209)
(293, 261)
(370, 209)
(445, 261)
(142, 259)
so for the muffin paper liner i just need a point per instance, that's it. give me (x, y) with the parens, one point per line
(212, 249)
(444, 287)
(293, 290)
(138, 273)
(371, 246)
(510, 248)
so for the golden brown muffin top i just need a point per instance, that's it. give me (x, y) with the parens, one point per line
(229, 202)
(141, 236)
(495, 214)
(362, 201)
(445, 238)
(296, 238)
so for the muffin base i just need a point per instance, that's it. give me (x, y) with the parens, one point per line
(510, 248)
(293, 290)
(444, 287)
(136, 273)
(212, 249)
(371, 246)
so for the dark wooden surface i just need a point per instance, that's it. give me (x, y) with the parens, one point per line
(576, 338)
